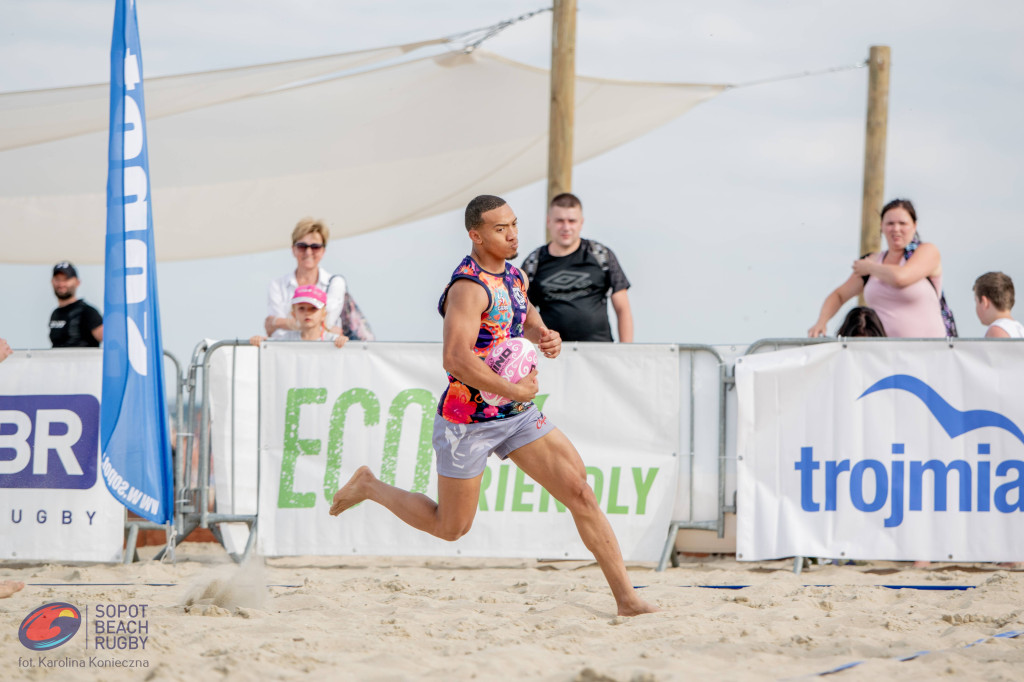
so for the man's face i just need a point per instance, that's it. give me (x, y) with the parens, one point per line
(499, 234)
(64, 287)
(565, 224)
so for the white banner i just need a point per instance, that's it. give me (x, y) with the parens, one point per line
(234, 437)
(324, 412)
(882, 450)
(54, 505)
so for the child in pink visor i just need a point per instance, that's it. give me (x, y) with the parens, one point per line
(309, 308)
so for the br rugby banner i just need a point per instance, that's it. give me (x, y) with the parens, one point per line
(134, 437)
(324, 412)
(882, 450)
(53, 505)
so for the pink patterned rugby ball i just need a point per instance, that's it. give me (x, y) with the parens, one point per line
(513, 359)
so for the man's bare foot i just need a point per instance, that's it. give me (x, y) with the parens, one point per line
(353, 492)
(9, 587)
(1013, 565)
(922, 564)
(637, 606)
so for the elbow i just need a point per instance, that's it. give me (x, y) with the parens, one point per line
(450, 362)
(901, 281)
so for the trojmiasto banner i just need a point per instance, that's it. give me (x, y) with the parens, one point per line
(882, 450)
(325, 411)
(53, 503)
(134, 435)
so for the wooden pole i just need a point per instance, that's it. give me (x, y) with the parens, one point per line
(879, 65)
(563, 100)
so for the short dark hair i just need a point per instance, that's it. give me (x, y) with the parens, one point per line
(861, 321)
(476, 208)
(900, 203)
(997, 287)
(566, 200)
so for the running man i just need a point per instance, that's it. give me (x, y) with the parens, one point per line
(484, 303)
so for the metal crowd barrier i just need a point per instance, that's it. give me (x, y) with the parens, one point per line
(718, 523)
(192, 508)
(133, 526)
(192, 498)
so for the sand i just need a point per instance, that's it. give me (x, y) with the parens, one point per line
(384, 618)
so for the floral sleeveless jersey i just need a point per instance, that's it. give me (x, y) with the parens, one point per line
(503, 319)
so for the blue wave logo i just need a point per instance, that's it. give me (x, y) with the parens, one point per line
(953, 421)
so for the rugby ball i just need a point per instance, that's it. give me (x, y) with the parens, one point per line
(512, 359)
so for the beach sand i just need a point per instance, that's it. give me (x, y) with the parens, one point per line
(386, 618)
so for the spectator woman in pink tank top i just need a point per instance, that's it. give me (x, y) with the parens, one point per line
(904, 291)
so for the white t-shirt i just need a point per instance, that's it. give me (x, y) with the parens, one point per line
(281, 289)
(1012, 327)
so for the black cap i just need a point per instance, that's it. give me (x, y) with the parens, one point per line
(65, 268)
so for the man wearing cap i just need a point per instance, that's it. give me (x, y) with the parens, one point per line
(75, 323)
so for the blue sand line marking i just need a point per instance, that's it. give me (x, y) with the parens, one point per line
(1011, 634)
(891, 587)
(125, 585)
(101, 584)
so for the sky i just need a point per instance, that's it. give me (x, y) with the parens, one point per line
(732, 222)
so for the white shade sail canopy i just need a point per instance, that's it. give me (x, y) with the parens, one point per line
(256, 148)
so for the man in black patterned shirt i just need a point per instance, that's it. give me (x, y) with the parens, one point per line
(571, 278)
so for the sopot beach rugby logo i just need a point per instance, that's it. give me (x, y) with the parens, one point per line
(49, 626)
(901, 484)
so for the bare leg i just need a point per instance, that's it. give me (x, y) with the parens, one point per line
(9, 587)
(553, 462)
(449, 518)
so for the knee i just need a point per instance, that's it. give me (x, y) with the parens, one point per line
(453, 533)
(580, 496)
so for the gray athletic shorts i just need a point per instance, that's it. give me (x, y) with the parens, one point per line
(462, 449)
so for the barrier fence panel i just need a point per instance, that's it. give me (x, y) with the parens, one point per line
(55, 505)
(234, 437)
(325, 412)
(700, 492)
(883, 449)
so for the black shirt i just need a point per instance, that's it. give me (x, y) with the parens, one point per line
(71, 326)
(571, 292)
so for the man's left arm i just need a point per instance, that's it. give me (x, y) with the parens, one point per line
(624, 315)
(547, 340)
(95, 324)
(618, 283)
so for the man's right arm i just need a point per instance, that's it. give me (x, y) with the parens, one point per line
(465, 303)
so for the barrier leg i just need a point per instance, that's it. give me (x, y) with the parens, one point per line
(250, 545)
(190, 524)
(669, 549)
(130, 554)
(798, 564)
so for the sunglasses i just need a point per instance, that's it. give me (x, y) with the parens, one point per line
(302, 246)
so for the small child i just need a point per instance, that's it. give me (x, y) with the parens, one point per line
(993, 300)
(309, 308)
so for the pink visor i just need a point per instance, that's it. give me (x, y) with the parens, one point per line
(310, 294)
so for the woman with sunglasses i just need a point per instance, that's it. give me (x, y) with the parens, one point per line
(309, 241)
